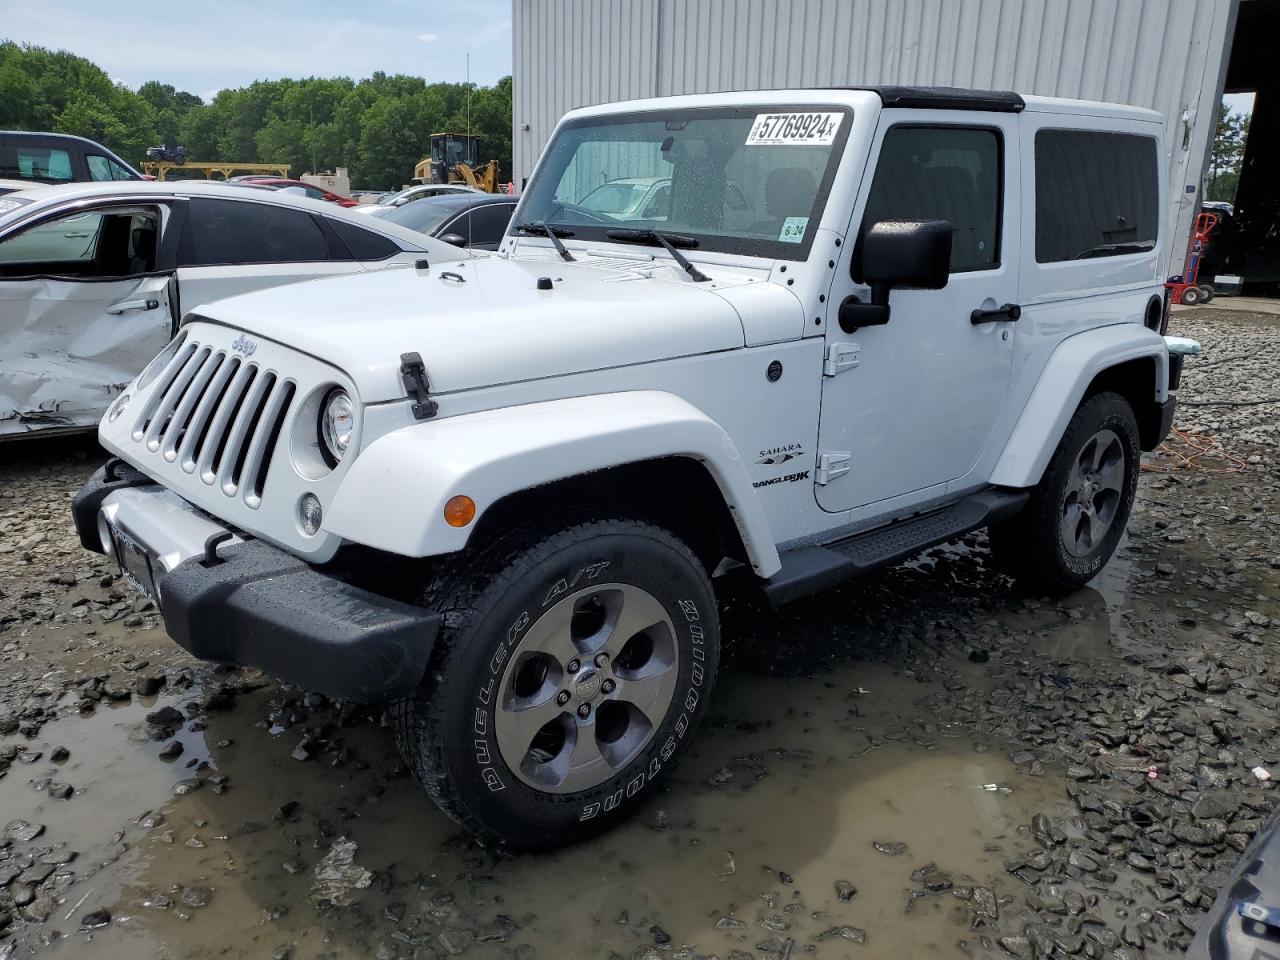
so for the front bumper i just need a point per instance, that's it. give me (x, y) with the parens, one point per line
(243, 601)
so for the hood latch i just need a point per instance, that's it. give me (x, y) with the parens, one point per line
(413, 374)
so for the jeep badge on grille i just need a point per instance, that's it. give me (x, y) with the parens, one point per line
(243, 344)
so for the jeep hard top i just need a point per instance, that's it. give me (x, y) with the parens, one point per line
(839, 326)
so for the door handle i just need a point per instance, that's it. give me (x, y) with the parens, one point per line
(125, 306)
(76, 236)
(1010, 311)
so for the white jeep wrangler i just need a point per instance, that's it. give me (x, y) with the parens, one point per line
(787, 335)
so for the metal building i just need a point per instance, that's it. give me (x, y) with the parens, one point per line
(1170, 55)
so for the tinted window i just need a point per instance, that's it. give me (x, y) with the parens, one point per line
(104, 168)
(489, 222)
(942, 173)
(422, 215)
(363, 244)
(24, 161)
(234, 231)
(1096, 194)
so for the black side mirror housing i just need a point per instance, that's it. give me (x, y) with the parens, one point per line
(907, 254)
(457, 239)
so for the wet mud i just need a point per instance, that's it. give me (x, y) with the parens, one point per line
(925, 762)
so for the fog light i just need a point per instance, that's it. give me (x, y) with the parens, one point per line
(310, 514)
(117, 407)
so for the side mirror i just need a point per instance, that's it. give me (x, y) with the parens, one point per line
(457, 239)
(897, 254)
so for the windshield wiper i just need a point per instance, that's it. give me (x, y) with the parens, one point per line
(669, 241)
(555, 233)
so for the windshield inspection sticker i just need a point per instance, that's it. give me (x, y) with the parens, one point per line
(793, 229)
(794, 129)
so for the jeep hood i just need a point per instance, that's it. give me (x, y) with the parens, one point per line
(483, 321)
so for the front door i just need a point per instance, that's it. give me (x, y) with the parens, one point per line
(83, 307)
(910, 405)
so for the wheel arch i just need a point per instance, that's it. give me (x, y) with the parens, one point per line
(1128, 359)
(650, 452)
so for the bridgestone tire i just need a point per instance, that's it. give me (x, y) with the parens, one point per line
(1031, 546)
(492, 601)
(1192, 296)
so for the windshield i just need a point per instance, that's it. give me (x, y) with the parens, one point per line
(423, 215)
(737, 180)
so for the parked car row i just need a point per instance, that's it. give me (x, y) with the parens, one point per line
(95, 278)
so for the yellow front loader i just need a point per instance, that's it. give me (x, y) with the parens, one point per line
(455, 159)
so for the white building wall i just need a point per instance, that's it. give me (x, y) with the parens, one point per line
(1168, 55)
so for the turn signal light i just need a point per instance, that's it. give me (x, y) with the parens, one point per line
(459, 511)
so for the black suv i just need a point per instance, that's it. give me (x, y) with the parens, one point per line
(58, 158)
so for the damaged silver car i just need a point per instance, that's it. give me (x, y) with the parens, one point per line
(95, 278)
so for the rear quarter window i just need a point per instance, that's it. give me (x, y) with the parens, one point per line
(1097, 194)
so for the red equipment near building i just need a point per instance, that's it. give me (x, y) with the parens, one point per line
(1187, 288)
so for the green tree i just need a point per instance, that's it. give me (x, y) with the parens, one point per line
(1227, 155)
(379, 127)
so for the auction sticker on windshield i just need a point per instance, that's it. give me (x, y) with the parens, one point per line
(7, 205)
(794, 129)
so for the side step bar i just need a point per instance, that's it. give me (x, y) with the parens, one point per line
(808, 569)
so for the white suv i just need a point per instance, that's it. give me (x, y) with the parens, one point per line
(500, 492)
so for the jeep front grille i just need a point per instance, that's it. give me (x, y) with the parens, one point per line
(217, 416)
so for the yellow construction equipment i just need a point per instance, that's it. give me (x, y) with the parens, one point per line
(455, 158)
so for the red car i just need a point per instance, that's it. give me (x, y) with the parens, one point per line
(314, 192)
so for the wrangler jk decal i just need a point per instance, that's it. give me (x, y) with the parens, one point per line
(789, 478)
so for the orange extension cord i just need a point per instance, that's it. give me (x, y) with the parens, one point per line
(1185, 450)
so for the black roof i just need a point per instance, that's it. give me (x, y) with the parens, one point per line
(947, 98)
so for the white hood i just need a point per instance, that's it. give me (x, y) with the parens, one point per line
(483, 321)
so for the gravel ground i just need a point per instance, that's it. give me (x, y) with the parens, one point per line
(922, 761)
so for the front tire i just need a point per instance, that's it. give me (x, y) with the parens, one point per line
(1076, 515)
(1192, 296)
(566, 681)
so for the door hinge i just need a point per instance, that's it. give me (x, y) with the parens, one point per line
(830, 466)
(840, 357)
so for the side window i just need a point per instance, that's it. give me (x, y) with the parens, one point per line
(99, 167)
(239, 231)
(943, 173)
(363, 244)
(1096, 194)
(70, 242)
(104, 168)
(489, 223)
(461, 225)
(94, 244)
(46, 164)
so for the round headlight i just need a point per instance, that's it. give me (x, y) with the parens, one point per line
(336, 424)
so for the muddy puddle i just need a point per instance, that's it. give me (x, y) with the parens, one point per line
(775, 806)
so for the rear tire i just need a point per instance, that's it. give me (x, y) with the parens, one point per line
(1077, 514)
(571, 670)
(1207, 293)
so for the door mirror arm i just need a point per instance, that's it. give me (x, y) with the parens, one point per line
(896, 254)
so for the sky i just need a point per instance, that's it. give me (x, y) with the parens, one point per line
(203, 47)
(1239, 102)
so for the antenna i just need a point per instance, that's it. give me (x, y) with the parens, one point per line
(472, 214)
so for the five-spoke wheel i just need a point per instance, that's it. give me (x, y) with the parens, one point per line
(586, 687)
